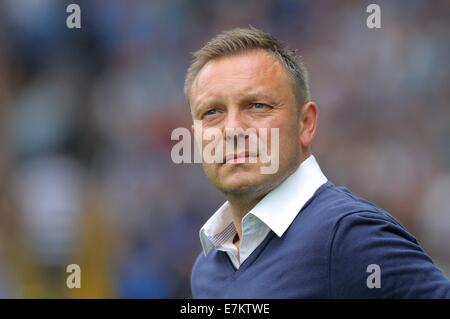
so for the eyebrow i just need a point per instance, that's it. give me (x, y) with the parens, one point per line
(256, 96)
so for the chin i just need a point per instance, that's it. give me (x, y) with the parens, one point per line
(240, 183)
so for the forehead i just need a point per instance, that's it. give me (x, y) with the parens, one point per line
(238, 74)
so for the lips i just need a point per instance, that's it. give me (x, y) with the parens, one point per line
(239, 158)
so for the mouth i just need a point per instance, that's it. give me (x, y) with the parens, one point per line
(240, 158)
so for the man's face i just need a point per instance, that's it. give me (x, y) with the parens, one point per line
(248, 90)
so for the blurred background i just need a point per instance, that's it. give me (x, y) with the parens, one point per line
(86, 116)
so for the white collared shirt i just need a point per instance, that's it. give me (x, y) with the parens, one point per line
(276, 211)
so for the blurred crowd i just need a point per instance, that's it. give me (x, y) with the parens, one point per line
(86, 116)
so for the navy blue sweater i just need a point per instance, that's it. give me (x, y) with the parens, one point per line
(325, 253)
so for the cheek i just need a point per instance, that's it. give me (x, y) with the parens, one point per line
(288, 132)
(290, 142)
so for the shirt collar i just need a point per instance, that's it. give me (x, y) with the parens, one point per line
(291, 195)
(215, 229)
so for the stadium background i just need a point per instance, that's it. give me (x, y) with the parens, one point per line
(86, 117)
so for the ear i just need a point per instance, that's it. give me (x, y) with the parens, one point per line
(308, 123)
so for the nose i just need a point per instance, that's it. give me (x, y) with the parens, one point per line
(235, 125)
(236, 130)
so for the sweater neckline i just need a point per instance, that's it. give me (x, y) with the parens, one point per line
(250, 259)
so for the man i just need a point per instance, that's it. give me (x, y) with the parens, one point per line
(292, 233)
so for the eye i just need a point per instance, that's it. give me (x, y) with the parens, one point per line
(259, 106)
(210, 112)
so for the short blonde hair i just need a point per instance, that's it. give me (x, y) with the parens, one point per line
(238, 40)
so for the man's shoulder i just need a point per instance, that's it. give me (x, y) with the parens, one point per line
(330, 208)
(341, 197)
(333, 203)
(365, 237)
